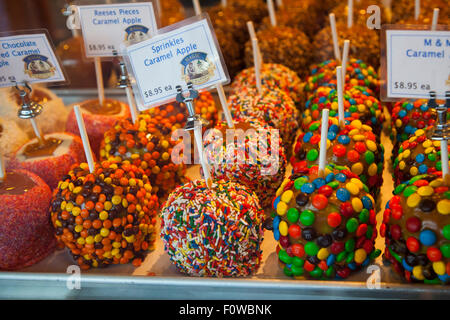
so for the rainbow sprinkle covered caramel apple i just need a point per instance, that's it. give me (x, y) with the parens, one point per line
(213, 232)
(252, 159)
(416, 225)
(26, 235)
(354, 146)
(51, 158)
(326, 227)
(107, 216)
(98, 119)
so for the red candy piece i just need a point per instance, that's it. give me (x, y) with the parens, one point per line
(421, 183)
(325, 190)
(368, 246)
(386, 215)
(413, 224)
(339, 150)
(344, 273)
(360, 147)
(412, 244)
(346, 209)
(308, 266)
(337, 247)
(323, 265)
(396, 232)
(295, 231)
(334, 219)
(320, 201)
(315, 139)
(353, 156)
(383, 231)
(434, 254)
(362, 229)
(284, 241)
(298, 250)
(396, 211)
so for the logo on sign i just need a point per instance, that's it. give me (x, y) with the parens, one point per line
(37, 66)
(136, 33)
(197, 68)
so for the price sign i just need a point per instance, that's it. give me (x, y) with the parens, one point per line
(181, 53)
(106, 27)
(30, 58)
(417, 62)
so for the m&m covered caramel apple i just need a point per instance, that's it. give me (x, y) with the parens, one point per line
(358, 73)
(403, 11)
(11, 138)
(98, 119)
(273, 107)
(359, 103)
(274, 77)
(283, 45)
(107, 216)
(416, 225)
(354, 146)
(407, 117)
(51, 158)
(148, 145)
(417, 156)
(254, 157)
(53, 116)
(213, 232)
(326, 227)
(26, 234)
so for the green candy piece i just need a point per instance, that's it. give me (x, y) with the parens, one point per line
(446, 231)
(447, 194)
(445, 249)
(364, 216)
(273, 215)
(433, 281)
(396, 162)
(293, 215)
(395, 255)
(369, 232)
(350, 257)
(409, 190)
(353, 109)
(333, 113)
(369, 156)
(341, 256)
(330, 272)
(363, 179)
(298, 262)
(297, 271)
(365, 188)
(316, 273)
(312, 155)
(380, 167)
(284, 257)
(321, 75)
(350, 245)
(299, 182)
(399, 188)
(432, 157)
(311, 248)
(314, 126)
(414, 179)
(351, 225)
(307, 217)
(333, 184)
(287, 271)
(374, 254)
(439, 165)
(314, 79)
(314, 107)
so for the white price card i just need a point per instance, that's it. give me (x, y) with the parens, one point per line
(28, 58)
(189, 52)
(107, 27)
(417, 62)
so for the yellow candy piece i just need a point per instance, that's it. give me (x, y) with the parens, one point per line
(413, 171)
(437, 143)
(283, 228)
(323, 254)
(427, 144)
(357, 204)
(436, 183)
(402, 165)
(359, 137)
(419, 132)
(372, 146)
(356, 123)
(287, 196)
(334, 105)
(429, 150)
(353, 132)
(406, 153)
(412, 139)
(90, 240)
(398, 123)
(76, 211)
(373, 169)
(281, 208)
(116, 199)
(413, 200)
(425, 191)
(439, 267)
(81, 241)
(78, 228)
(357, 182)
(281, 188)
(357, 168)
(365, 127)
(443, 206)
(352, 188)
(417, 273)
(360, 255)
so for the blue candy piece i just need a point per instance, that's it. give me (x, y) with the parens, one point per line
(352, 266)
(331, 259)
(365, 262)
(344, 139)
(427, 237)
(331, 135)
(402, 113)
(407, 266)
(329, 177)
(307, 188)
(424, 107)
(319, 182)
(352, 101)
(307, 136)
(343, 194)
(367, 203)
(347, 114)
(340, 177)
(322, 99)
(420, 158)
(408, 129)
(333, 128)
(357, 70)
(307, 104)
(409, 106)
(276, 201)
(444, 278)
(423, 168)
(276, 234)
(276, 222)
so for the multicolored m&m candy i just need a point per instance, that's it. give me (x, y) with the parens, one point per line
(416, 225)
(354, 146)
(359, 104)
(418, 155)
(325, 226)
